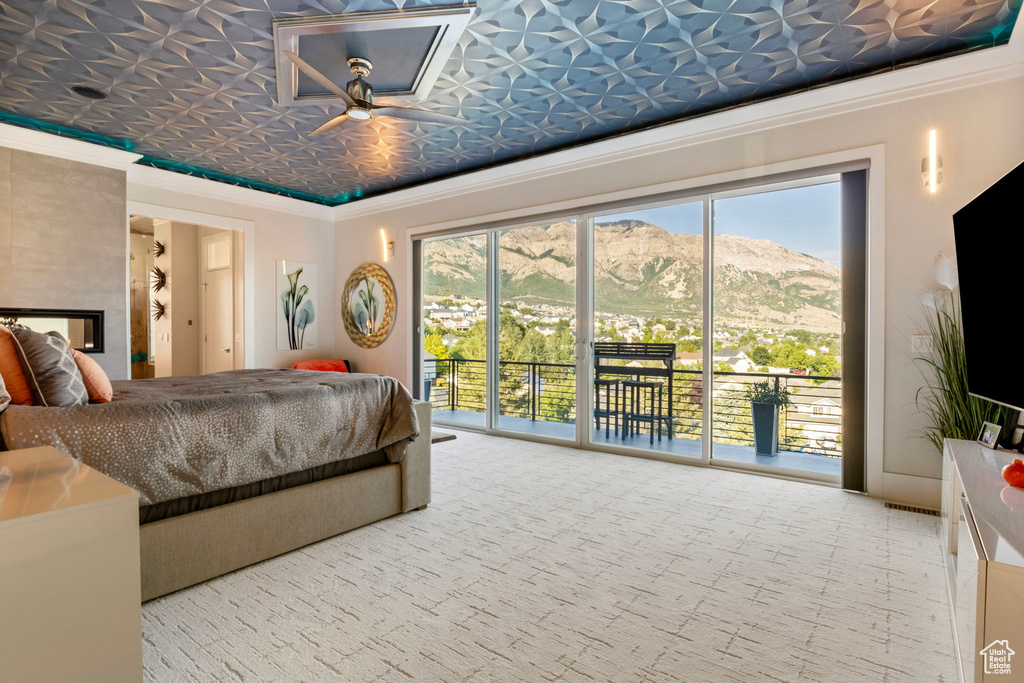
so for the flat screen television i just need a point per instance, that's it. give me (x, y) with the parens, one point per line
(989, 237)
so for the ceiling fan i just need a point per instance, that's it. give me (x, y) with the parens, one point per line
(358, 95)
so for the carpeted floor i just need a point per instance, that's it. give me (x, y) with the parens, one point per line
(541, 563)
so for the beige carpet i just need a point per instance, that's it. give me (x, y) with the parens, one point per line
(541, 563)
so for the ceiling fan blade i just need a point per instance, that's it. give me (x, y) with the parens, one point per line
(330, 125)
(319, 77)
(412, 114)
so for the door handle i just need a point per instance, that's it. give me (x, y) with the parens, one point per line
(227, 350)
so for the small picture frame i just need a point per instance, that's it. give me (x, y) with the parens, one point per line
(989, 434)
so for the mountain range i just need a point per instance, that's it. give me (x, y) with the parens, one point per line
(642, 269)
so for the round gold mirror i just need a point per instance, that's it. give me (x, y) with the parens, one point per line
(368, 305)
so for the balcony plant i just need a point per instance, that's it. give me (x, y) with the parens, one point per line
(766, 399)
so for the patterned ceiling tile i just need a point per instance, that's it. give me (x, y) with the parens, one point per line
(192, 83)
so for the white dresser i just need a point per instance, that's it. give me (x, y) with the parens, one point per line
(983, 541)
(70, 596)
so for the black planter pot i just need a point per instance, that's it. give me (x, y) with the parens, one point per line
(766, 428)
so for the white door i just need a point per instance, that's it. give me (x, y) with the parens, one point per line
(218, 304)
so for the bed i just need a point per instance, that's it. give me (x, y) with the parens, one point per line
(237, 467)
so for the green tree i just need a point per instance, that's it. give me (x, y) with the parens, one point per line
(761, 355)
(688, 345)
(825, 365)
(433, 343)
(473, 346)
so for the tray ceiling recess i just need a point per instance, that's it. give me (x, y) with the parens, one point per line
(408, 49)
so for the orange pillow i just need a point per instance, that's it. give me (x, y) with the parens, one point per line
(333, 365)
(10, 369)
(96, 381)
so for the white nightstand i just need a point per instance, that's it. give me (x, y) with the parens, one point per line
(70, 596)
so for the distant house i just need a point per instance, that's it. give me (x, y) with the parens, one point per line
(735, 358)
(823, 407)
(460, 324)
(450, 340)
(546, 331)
(442, 314)
(689, 357)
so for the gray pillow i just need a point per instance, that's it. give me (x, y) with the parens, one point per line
(50, 368)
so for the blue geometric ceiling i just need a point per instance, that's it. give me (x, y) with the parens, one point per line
(191, 83)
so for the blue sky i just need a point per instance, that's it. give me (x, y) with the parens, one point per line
(804, 219)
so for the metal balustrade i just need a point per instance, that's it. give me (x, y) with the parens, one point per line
(812, 423)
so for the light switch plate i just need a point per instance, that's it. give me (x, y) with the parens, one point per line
(922, 343)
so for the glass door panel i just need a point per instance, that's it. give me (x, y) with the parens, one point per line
(536, 330)
(648, 329)
(454, 285)
(777, 328)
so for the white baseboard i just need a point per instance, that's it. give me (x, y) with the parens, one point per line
(910, 490)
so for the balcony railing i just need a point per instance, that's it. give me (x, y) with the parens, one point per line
(812, 422)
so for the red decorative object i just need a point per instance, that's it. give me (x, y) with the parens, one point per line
(327, 365)
(1014, 473)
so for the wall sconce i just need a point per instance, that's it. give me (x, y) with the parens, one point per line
(388, 245)
(931, 165)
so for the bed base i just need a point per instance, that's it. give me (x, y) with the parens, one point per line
(188, 549)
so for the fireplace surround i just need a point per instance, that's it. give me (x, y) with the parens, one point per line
(82, 329)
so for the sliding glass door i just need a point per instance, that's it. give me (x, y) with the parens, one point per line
(536, 329)
(777, 396)
(648, 342)
(454, 348)
(706, 327)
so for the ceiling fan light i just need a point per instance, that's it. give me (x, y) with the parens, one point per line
(359, 113)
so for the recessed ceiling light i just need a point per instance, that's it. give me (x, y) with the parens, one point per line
(89, 93)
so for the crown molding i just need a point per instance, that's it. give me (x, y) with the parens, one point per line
(179, 182)
(940, 76)
(38, 142)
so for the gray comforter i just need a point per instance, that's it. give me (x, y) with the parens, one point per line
(180, 436)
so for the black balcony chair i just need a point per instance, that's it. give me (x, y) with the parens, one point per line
(611, 412)
(636, 412)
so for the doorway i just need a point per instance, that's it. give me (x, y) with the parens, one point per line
(217, 316)
(187, 298)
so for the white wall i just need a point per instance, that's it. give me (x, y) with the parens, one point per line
(980, 139)
(183, 285)
(299, 234)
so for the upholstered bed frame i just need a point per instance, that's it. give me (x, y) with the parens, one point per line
(188, 549)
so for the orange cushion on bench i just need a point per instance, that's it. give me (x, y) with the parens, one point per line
(335, 365)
